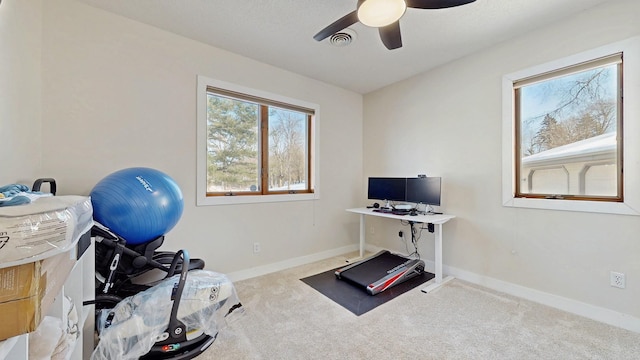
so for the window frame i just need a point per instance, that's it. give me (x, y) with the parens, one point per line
(630, 133)
(202, 198)
(613, 59)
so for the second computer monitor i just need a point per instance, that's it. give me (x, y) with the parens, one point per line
(424, 190)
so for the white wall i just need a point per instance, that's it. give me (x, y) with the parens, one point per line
(447, 122)
(117, 94)
(20, 84)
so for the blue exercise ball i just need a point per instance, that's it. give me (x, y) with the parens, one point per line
(139, 204)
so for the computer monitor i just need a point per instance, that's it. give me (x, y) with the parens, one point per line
(387, 188)
(424, 190)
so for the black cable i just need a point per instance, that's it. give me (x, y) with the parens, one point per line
(414, 240)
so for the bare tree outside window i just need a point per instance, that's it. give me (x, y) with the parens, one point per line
(566, 110)
(287, 134)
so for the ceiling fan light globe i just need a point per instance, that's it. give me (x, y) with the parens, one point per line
(380, 13)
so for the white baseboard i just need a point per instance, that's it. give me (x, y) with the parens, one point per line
(596, 313)
(604, 315)
(589, 311)
(286, 264)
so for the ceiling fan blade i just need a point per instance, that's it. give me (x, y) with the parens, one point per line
(390, 36)
(436, 4)
(340, 24)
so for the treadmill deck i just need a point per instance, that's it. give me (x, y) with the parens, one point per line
(380, 271)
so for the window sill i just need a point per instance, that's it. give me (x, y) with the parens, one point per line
(572, 205)
(250, 199)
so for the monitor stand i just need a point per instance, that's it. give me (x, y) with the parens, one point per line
(428, 209)
(387, 205)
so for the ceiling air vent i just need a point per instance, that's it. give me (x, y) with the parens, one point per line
(342, 38)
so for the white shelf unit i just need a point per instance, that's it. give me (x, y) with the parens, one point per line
(80, 287)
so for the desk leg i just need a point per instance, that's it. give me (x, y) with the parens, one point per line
(362, 235)
(439, 281)
(438, 252)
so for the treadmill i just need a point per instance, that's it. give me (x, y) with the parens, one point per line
(381, 271)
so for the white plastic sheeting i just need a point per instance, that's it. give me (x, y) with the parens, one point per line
(43, 228)
(208, 300)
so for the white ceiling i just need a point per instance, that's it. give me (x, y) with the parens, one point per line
(280, 33)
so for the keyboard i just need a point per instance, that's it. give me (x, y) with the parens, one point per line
(394, 212)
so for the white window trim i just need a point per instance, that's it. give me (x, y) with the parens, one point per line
(631, 133)
(201, 147)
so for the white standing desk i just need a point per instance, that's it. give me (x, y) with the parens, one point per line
(436, 220)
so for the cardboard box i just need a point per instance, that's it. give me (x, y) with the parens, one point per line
(27, 292)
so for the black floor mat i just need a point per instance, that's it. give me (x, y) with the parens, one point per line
(356, 299)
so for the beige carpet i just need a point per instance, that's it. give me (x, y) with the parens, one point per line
(286, 319)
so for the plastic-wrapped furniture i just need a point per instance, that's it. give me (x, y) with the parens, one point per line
(49, 231)
(155, 304)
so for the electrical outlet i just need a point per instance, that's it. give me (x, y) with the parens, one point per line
(617, 280)
(256, 247)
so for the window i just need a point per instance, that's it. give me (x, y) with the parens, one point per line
(566, 145)
(565, 121)
(253, 146)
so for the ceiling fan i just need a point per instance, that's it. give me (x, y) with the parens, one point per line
(384, 15)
